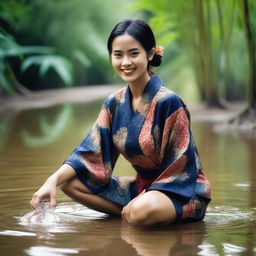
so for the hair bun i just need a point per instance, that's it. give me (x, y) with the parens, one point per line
(156, 61)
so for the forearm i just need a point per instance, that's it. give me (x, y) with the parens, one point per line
(64, 173)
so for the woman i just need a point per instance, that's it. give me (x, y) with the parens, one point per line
(150, 126)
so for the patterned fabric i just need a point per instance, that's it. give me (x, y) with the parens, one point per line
(156, 139)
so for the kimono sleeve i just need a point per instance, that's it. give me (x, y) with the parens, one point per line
(178, 169)
(94, 159)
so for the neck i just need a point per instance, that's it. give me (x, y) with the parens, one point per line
(138, 86)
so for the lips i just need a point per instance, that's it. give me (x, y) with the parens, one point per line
(128, 71)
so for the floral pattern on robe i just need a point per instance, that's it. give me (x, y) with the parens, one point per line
(156, 139)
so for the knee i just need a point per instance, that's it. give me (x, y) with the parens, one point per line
(141, 214)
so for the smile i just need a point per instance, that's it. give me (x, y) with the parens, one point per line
(128, 71)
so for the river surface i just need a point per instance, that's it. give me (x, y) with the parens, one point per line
(33, 144)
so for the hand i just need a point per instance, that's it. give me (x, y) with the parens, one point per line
(47, 191)
(126, 212)
(127, 209)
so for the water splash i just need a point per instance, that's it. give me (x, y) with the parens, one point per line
(47, 221)
(44, 216)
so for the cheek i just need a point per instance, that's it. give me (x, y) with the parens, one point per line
(115, 64)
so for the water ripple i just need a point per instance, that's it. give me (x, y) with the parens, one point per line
(221, 215)
(231, 249)
(60, 220)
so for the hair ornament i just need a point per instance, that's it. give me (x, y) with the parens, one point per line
(159, 50)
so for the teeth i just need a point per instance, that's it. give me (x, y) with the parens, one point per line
(128, 70)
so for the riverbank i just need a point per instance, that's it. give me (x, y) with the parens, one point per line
(48, 98)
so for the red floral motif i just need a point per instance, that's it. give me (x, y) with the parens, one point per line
(203, 180)
(169, 123)
(146, 140)
(103, 119)
(96, 167)
(143, 109)
(189, 210)
(120, 95)
(174, 171)
(180, 133)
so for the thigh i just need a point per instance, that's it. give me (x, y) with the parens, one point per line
(81, 194)
(74, 184)
(120, 190)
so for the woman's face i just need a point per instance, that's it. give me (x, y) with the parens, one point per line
(130, 60)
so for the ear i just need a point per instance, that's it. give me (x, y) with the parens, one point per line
(151, 55)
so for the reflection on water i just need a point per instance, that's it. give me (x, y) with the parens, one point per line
(34, 143)
(49, 132)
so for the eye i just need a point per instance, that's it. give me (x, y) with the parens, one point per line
(117, 54)
(134, 54)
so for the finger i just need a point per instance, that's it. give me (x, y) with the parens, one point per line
(34, 203)
(53, 202)
(125, 214)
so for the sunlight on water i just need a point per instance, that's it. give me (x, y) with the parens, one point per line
(49, 251)
(16, 233)
(207, 249)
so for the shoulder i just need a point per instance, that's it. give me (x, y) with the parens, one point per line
(168, 100)
(114, 99)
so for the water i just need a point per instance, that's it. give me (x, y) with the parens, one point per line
(33, 143)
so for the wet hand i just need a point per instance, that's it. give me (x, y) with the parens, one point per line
(47, 191)
(126, 213)
(127, 209)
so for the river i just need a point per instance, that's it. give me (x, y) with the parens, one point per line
(33, 144)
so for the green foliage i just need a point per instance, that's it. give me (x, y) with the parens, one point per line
(77, 30)
(207, 37)
(10, 49)
(60, 65)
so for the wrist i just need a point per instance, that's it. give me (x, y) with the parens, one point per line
(52, 179)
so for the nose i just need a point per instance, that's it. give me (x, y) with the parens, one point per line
(126, 61)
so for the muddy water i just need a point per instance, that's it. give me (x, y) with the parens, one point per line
(33, 143)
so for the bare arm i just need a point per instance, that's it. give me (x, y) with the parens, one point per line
(64, 173)
(48, 189)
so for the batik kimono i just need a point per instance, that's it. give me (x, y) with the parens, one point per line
(156, 139)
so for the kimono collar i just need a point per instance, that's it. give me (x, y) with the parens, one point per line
(150, 90)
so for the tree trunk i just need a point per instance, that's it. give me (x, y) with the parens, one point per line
(208, 76)
(251, 53)
(247, 119)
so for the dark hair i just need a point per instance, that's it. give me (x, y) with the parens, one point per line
(139, 30)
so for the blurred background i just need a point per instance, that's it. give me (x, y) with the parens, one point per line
(209, 45)
(209, 60)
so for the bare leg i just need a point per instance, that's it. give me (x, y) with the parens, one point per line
(149, 209)
(81, 194)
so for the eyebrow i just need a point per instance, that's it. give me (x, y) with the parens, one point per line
(130, 50)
